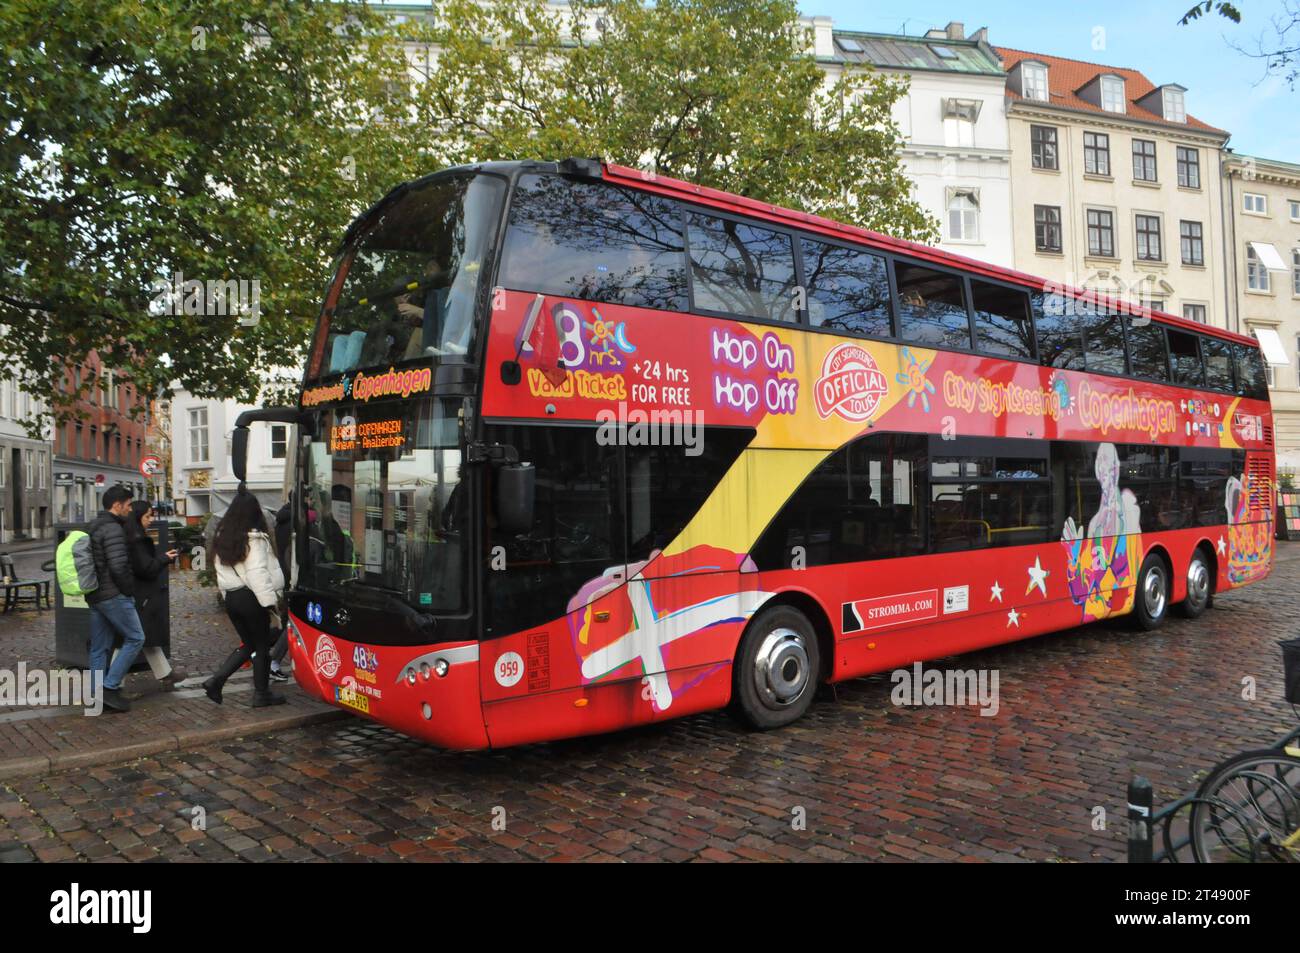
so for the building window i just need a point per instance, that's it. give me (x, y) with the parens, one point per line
(279, 441)
(1256, 273)
(963, 217)
(4, 453)
(29, 470)
(1101, 233)
(1096, 153)
(1112, 94)
(1047, 228)
(1195, 312)
(1148, 238)
(76, 447)
(1034, 81)
(1295, 272)
(1155, 304)
(1191, 240)
(1295, 210)
(40, 470)
(1189, 167)
(198, 435)
(1144, 160)
(1254, 204)
(1175, 110)
(1042, 147)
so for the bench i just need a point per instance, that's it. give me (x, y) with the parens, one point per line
(40, 589)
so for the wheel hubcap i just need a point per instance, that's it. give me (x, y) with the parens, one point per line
(781, 668)
(1198, 582)
(1154, 593)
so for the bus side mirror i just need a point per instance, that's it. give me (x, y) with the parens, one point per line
(516, 491)
(239, 453)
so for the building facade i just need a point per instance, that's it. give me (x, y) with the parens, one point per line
(1115, 186)
(202, 481)
(1262, 252)
(101, 444)
(26, 476)
(953, 122)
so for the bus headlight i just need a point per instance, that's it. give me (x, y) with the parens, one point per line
(441, 667)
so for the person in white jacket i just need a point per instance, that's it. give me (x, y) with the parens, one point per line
(251, 583)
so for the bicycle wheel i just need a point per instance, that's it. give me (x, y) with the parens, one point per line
(1248, 810)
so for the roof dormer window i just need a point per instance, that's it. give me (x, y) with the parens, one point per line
(1174, 107)
(1112, 94)
(1033, 81)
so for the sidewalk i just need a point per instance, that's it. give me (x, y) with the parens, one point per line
(39, 740)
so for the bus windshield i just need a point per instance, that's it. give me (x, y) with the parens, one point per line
(386, 507)
(410, 283)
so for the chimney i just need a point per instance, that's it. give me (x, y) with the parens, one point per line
(823, 36)
(955, 30)
(981, 35)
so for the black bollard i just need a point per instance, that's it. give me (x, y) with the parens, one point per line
(1139, 821)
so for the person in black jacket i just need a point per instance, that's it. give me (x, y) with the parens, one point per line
(150, 571)
(112, 610)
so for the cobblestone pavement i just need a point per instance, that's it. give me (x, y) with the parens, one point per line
(1081, 712)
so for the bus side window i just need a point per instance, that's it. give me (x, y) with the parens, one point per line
(1185, 358)
(1252, 379)
(931, 307)
(1218, 364)
(1056, 324)
(741, 269)
(1146, 346)
(848, 289)
(1002, 321)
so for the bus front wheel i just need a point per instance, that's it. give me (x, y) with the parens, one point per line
(777, 668)
(1152, 593)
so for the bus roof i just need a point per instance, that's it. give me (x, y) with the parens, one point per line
(736, 203)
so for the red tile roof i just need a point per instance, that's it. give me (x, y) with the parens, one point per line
(1066, 77)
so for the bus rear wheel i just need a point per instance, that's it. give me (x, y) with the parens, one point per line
(1152, 593)
(777, 669)
(1199, 586)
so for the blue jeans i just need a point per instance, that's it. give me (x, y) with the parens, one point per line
(114, 615)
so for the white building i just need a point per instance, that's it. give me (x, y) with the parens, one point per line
(202, 481)
(954, 125)
(26, 475)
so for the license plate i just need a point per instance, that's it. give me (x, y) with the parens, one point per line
(352, 699)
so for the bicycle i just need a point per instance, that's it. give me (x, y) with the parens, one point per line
(1248, 809)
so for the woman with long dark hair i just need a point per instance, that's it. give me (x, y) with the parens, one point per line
(150, 570)
(251, 583)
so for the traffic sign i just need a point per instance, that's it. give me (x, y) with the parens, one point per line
(149, 466)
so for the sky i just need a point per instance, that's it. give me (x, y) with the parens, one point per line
(1225, 88)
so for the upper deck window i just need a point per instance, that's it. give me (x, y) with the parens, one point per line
(848, 289)
(1002, 322)
(1252, 378)
(1218, 364)
(931, 307)
(1185, 358)
(742, 269)
(595, 241)
(410, 289)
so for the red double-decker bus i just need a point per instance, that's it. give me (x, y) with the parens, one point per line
(582, 448)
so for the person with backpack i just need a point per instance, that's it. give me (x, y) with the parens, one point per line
(112, 610)
(251, 583)
(150, 570)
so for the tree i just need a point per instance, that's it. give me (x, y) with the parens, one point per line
(723, 93)
(214, 139)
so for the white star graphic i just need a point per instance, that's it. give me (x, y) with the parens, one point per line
(1037, 578)
(1223, 546)
(996, 592)
(1013, 618)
